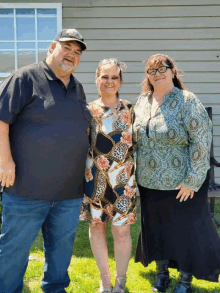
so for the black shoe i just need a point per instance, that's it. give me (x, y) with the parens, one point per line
(184, 285)
(182, 289)
(162, 278)
(162, 283)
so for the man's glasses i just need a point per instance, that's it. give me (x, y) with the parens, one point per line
(161, 69)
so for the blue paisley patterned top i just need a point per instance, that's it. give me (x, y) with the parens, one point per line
(177, 148)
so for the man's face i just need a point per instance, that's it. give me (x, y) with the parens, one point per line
(65, 55)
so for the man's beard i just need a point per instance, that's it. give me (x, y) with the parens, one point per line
(67, 68)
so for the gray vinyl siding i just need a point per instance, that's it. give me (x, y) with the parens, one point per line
(132, 30)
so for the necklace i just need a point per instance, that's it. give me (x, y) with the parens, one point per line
(115, 111)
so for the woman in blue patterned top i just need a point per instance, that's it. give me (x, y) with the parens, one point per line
(110, 193)
(173, 133)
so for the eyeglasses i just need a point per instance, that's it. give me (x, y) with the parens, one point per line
(161, 69)
(121, 65)
(109, 61)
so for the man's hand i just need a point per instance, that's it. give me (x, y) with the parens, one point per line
(184, 193)
(7, 173)
(7, 165)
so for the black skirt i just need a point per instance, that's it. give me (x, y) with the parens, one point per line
(181, 232)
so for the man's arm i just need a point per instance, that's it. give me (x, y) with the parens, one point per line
(7, 165)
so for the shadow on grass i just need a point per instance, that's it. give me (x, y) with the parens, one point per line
(202, 290)
(150, 276)
(26, 289)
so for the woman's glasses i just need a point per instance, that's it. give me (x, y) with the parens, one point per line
(161, 69)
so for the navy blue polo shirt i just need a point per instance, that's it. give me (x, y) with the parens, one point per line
(48, 133)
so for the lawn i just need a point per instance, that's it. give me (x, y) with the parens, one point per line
(84, 274)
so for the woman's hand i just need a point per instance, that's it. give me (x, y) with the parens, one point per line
(184, 193)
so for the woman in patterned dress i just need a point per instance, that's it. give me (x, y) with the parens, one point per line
(174, 135)
(110, 191)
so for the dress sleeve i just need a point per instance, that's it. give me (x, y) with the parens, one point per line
(138, 108)
(13, 96)
(199, 129)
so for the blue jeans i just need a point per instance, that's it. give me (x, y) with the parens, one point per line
(21, 221)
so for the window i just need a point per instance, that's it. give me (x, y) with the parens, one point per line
(26, 32)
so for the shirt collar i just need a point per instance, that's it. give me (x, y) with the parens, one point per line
(172, 93)
(51, 76)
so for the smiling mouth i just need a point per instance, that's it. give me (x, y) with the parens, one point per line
(70, 61)
(159, 79)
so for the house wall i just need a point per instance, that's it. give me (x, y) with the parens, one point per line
(132, 30)
(188, 31)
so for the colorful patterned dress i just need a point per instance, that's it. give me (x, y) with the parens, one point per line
(110, 186)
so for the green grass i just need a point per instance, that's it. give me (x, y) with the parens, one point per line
(84, 274)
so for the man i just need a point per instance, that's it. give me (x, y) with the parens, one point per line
(43, 147)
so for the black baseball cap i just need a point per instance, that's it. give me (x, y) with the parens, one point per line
(71, 34)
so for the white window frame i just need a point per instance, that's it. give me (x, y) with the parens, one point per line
(57, 6)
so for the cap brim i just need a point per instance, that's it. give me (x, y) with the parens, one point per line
(82, 44)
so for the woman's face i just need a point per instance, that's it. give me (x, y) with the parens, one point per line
(109, 79)
(160, 79)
